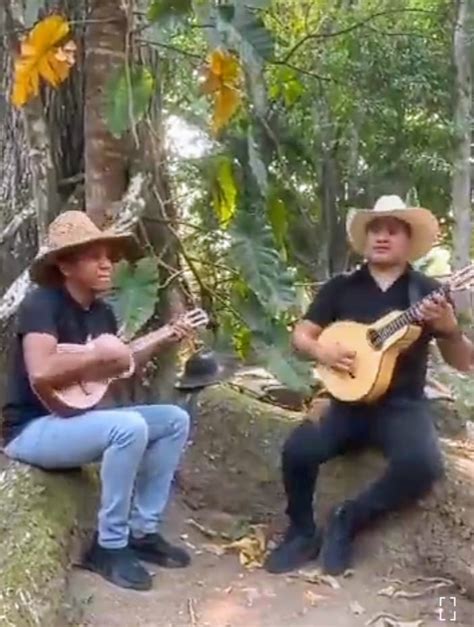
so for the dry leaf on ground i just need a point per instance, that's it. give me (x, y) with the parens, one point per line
(313, 598)
(383, 619)
(317, 577)
(356, 608)
(251, 549)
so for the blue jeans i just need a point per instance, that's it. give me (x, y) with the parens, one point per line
(140, 448)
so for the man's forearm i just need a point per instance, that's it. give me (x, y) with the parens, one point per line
(457, 351)
(62, 369)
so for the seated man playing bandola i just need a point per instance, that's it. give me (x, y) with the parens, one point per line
(400, 423)
(139, 447)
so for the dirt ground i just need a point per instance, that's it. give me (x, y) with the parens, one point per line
(216, 591)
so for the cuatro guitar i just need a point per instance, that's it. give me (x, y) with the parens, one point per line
(85, 395)
(377, 346)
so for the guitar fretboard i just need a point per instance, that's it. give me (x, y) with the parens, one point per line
(409, 316)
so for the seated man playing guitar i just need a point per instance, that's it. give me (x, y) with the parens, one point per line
(139, 447)
(399, 421)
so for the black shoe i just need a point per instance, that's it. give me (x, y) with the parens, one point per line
(155, 549)
(294, 552)
(119, 566)
(336, 553)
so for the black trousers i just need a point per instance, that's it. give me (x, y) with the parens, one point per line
(402, 429)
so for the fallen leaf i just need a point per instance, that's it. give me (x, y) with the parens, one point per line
(215, 549)
(389, 591)
(356, 608)
(314, 598)
(252, 548)
(43, 54)
(317, 577)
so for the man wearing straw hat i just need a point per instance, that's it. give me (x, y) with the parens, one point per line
(389, 236)
(139, 447)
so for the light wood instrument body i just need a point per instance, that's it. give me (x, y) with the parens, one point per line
(373, 367)
(84, 395)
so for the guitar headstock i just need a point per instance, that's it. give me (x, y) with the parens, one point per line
(195, 318)
(462, 279)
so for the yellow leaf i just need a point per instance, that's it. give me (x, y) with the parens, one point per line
(252, 548)
(226, 103)
(41, 55)
(222, 80)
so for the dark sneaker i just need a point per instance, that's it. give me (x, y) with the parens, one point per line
(336, 552)
(155, 549)
(119, 566)
(294, 552)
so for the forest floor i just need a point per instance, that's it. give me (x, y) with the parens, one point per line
(217, 591)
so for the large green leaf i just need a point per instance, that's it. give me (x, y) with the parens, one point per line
(278, 217)
(224, 190)
(253, 253)
(127, 98)
(283, 364)
(164, 9)
(135, 294)
(246, 31)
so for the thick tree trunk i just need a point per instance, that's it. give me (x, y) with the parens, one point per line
(106, 160)
(461, 181)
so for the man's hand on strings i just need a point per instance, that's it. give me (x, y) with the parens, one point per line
(438, 313)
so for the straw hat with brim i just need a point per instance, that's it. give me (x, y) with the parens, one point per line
(69, 232)
(424, 226)
(205, 368)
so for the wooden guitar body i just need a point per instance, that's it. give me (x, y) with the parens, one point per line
(374, 366)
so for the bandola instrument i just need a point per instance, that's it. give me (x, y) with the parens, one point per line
(85, 395)
(378, 345)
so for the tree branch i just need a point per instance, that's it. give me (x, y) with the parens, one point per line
(349, 29)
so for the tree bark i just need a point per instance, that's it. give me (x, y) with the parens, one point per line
(106, 160)
(461, 180)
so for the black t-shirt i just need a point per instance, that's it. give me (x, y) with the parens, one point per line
(356, 296)
(55, 312)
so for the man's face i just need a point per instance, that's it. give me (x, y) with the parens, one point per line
(90, 268)
(388, 242)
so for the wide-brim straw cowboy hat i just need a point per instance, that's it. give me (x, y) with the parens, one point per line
(71, 231)
(424, 226)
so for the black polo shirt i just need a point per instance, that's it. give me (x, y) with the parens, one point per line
(55, 312)
(356, 296)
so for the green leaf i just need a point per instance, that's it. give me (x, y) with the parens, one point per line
(126, 101)
(246, 32)
(253, 252)
(285, 366)
(251, 28)
(224, 190)
(277, 215)
(164, 9)
(135, 294)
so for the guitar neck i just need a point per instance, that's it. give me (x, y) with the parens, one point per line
(409, 316)
(149, 341)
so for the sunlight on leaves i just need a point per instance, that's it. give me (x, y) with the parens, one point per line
(127, 98)
(44, 53)
(135, 294)
(224, 190)
(222, 79)
(164, 9)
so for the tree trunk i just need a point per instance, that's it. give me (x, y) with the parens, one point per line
(461, 181)
(106, 161)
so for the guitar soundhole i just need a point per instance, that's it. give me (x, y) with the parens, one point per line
(374, 339)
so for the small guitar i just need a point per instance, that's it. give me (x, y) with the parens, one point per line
(378, 345)
(85, 395)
